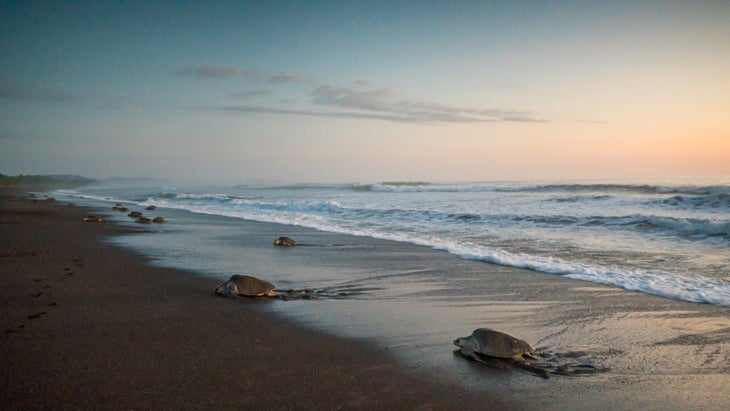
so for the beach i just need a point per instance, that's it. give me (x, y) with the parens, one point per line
(88, 324)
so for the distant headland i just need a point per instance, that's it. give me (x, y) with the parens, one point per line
(45, 181)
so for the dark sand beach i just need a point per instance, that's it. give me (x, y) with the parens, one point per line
(89, 325)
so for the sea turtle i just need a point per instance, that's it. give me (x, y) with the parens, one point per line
(285, 242)
(158, 220)
(485, 344)
(135, 214)
(246, 286)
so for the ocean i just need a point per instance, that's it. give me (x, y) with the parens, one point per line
(669, 238)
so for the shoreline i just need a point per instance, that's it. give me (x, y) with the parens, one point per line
(90, 325)
(663, 354)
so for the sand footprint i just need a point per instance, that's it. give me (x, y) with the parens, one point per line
(14, 330)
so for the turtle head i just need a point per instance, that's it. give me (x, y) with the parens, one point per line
(223, 289)
(229, 287)
(460, 342)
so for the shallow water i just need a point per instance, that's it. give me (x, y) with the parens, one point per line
(668, 238)
(415, 301)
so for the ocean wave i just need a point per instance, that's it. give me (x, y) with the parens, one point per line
(207, 197)
(453, 228)
(599, 190)
(719, 201)
(323, 208)
(683, 227)
(84, 196)
(676, 226)
(395, 186)
(426, 188)
(576, 188)
(621, 188)
(579, 198)
(693, 289)
(305, 187)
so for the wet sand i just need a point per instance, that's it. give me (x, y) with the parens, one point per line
(89, 325)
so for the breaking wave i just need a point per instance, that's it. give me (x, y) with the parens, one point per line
(666, 225)
(669, 240)
(564, 188)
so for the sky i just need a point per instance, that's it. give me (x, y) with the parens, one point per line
(318, 91)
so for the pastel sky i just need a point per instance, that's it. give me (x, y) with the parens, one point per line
(317, 91)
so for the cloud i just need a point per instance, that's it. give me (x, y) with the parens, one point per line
(50, 95)
(309, 113)
(39, 94)
(217, 73)
(372, 100)
(252, 74)
(361, 100)
(373, 105)
(287, 79)
(56, 96)
(245, 95)
(382, 103)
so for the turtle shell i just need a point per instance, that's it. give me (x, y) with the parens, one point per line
(285, 242)
(246, 286)
(498, 344)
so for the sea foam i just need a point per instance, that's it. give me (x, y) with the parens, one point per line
(663, 239)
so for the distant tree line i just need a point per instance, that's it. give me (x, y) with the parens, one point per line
(44, 180)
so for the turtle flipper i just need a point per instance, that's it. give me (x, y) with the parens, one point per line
(468, 351)
(532, 368)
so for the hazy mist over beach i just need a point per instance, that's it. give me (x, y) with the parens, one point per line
(558, 171)
(227, 92)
